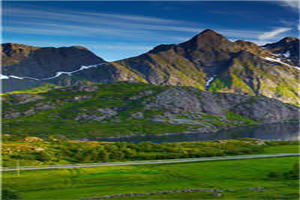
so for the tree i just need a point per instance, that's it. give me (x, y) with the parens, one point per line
(103, 155)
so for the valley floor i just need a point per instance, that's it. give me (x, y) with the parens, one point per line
(235, 177)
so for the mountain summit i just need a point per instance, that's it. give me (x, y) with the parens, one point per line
(205, 39)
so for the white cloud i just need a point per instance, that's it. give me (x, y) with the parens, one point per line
(273, 33)
(291, 3)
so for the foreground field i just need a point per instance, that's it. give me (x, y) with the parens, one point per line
(235, 175)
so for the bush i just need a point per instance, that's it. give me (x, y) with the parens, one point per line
(9, 194)
(293, 173)
(273, 175)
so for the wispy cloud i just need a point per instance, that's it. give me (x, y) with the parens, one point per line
(83, 23)
(294, 4)
(108, 32)
(100, 19)
(273, 33)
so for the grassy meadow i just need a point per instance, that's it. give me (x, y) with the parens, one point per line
(99, 181)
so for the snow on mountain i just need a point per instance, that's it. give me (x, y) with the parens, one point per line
(208, 82)
(278, 60)
(56, 75)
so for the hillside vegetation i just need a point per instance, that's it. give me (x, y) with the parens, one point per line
(101, 110)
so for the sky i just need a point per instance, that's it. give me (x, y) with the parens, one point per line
(117, 30)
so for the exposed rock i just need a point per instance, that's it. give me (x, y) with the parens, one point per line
(29, 112)
(25, 98)
(32, 139)
(108, 111)
(261, 109)
(93, 117)
(88, 88)
(12, 115)
(138, 115)
(44, 106)
(217, 194)
(142, 94)
(80, 98)
(38, 149)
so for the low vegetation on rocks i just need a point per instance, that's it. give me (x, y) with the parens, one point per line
(102, 110)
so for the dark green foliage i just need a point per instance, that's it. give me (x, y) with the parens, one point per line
(273, 175)
(292, 174)
(9, 194)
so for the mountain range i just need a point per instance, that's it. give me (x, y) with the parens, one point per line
(208, 61)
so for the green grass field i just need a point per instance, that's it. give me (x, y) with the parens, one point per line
(100, 181)
(288, 148)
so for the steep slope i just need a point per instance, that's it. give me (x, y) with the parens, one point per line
(191, 63)
(249, 74)
(97, 110)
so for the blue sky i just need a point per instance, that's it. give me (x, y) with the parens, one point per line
(116, 30)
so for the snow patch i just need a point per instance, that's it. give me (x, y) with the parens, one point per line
(279, 61)
(16, 77)
(70, 73)
(208, 82)
(52, 77)
(3, 77)
(287, 54)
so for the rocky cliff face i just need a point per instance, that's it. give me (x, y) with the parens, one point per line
(133, 109)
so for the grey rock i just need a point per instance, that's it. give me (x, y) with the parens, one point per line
(29, 112)
(108, 111)
(43, 106)
(138, 115)
(80, 98)
(93, 117)
(12, 115)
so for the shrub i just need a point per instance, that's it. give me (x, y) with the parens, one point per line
(293, 173)
(9, 194)
(273, 175)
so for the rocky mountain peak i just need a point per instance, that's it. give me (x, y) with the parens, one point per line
(289, 39)
(205, 39)
(79, 47)
(11, 49)
(283, 42)
(287, 48)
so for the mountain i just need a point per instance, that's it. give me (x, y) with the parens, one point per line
(212, 62)
(26, 66)
(287, 49)
(122, 109)
(208, 61)
(28, 61)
